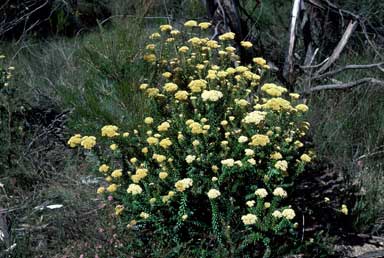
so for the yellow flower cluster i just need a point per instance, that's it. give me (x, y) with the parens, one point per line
(259, 140)
(134, 189)
(211, 95)
(254, 117)
(273, 90)
(183, 184)
(213, 193)
(109, 131)
(261, 192)
(197, 85)
(249, 219)
(87, 142)
(140, 174)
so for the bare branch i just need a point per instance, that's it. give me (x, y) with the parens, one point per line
(348, 67)
(364, 28)
(341, 86)
(339, 48)
(288, 65)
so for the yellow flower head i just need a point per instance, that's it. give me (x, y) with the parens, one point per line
(88, 142)
(250, 203)
(190, 24)
(165, 143)
(143, 86)
(181, 95)
(150, 58)
(260, 61)
(150, 46)
(175, 32)
(196, 128)
(227, 36)
(213, 193)
(183, 49)
(159, 158)
(155, 36)
(289, 214)
(167, 75)
(183, 184)
(249, 219)
(277, 104)
(165, 27)
(112, 188)
(163, 127)
(249, 152)
(212, 44)
(152, 140)
(254, 117)
(74, 140)
(246, 44)
(100, 190)
(281, 165)
(294, 95)
(195, 41)
(277, 214)
(204, 25)
(228, 162)
(302, 107)
(276, 156)
(190, 158)
(152, 92)
(144, 215)
(119, 209)
(134, 189)
(261, 192)
(113, 146)
(211, 95)
(305, 158)
(273, 90)
(259, 140)
(170, 87)
(163, 175)
(148, 120)
(117, 173)
(197, 85)
(344, 209)
(280, 192)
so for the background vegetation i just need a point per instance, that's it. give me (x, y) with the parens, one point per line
(67, 84)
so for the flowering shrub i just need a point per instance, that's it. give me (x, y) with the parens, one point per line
(218, 156)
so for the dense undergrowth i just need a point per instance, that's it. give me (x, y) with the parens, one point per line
(91, 80)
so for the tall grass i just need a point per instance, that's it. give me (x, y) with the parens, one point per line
(348, 131)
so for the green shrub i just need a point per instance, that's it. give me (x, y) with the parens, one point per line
(212, 167)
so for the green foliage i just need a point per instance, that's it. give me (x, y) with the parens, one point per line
(109, 91)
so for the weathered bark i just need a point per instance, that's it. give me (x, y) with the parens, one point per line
(288, 70)
(225, 16)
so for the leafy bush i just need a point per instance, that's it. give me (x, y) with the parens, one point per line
(214, 165)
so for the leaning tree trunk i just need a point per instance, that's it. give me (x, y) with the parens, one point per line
(225, 15)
